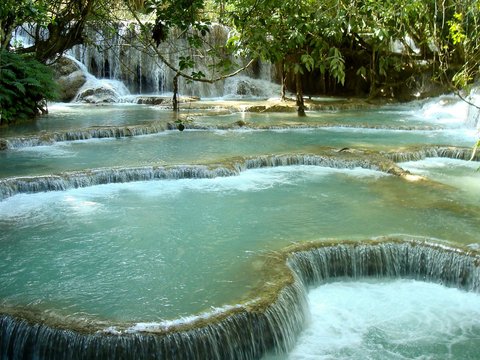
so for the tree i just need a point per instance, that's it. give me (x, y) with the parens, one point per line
(326, 37)
(299, 35)
(54, 27)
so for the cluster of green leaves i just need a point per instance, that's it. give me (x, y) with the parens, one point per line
(304, 35)
(25, 84)
(16, 12)
(318, 35)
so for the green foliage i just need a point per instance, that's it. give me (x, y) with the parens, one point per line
(16, 12)
(456, 29)
(337, 65)
(309, 35)
(25, 85)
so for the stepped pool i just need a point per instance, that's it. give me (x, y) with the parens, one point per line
(273, 237)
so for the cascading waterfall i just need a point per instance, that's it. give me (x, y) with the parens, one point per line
(424, 260)
(333, 158)
(473, 115)
(78, 179)
(99, 132)
(85, 134)
(33, 184)
(121, 57)
(269, 321)
(99, 90)
(450, 152)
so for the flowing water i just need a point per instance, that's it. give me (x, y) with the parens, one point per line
(354, 320)
(171, 232)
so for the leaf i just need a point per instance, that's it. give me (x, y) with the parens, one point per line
(20, 87)
(362, 71)
(185, 62)
(337, 65)
(297, 69)
(308, 61)
(198, 75)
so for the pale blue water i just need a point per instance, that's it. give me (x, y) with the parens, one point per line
(66, 116)
(149, 251)
(193, 147)
(152, 250)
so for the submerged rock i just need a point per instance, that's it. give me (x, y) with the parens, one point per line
(152, 100)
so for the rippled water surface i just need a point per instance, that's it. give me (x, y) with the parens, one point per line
(149, 251)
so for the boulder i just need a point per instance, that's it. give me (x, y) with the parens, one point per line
(102, 91)
(70, 84)
(69, 77)
(283, 108)
(98, 95)
(152, 100)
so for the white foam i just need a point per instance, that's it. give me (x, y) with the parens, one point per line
(40, 205)
(431, 163)
(445, 110)
(458, 173)
(252, 180)
(55, 150)
(168, 324)
(87, 199)
(386, 319)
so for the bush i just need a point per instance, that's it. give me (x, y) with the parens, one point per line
(25, 86)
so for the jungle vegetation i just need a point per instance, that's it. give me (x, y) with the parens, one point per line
(370, 47)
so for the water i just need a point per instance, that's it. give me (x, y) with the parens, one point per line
(68, 116)
(354, 320)
(414, 116)
(175, 230)
(459, 174)
(193, 147)
(131, 256)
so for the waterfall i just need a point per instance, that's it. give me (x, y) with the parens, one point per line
(473, 116)
(270, 322)
(121, 57)
(450, 152)
(78, 179)
(97, 90)
(328, 157)
(98, 132)
(394, 258)
(244, 86)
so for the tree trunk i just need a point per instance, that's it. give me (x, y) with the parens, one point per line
(299, 90)
(373, 75)
(175, 92)
(284, 81)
